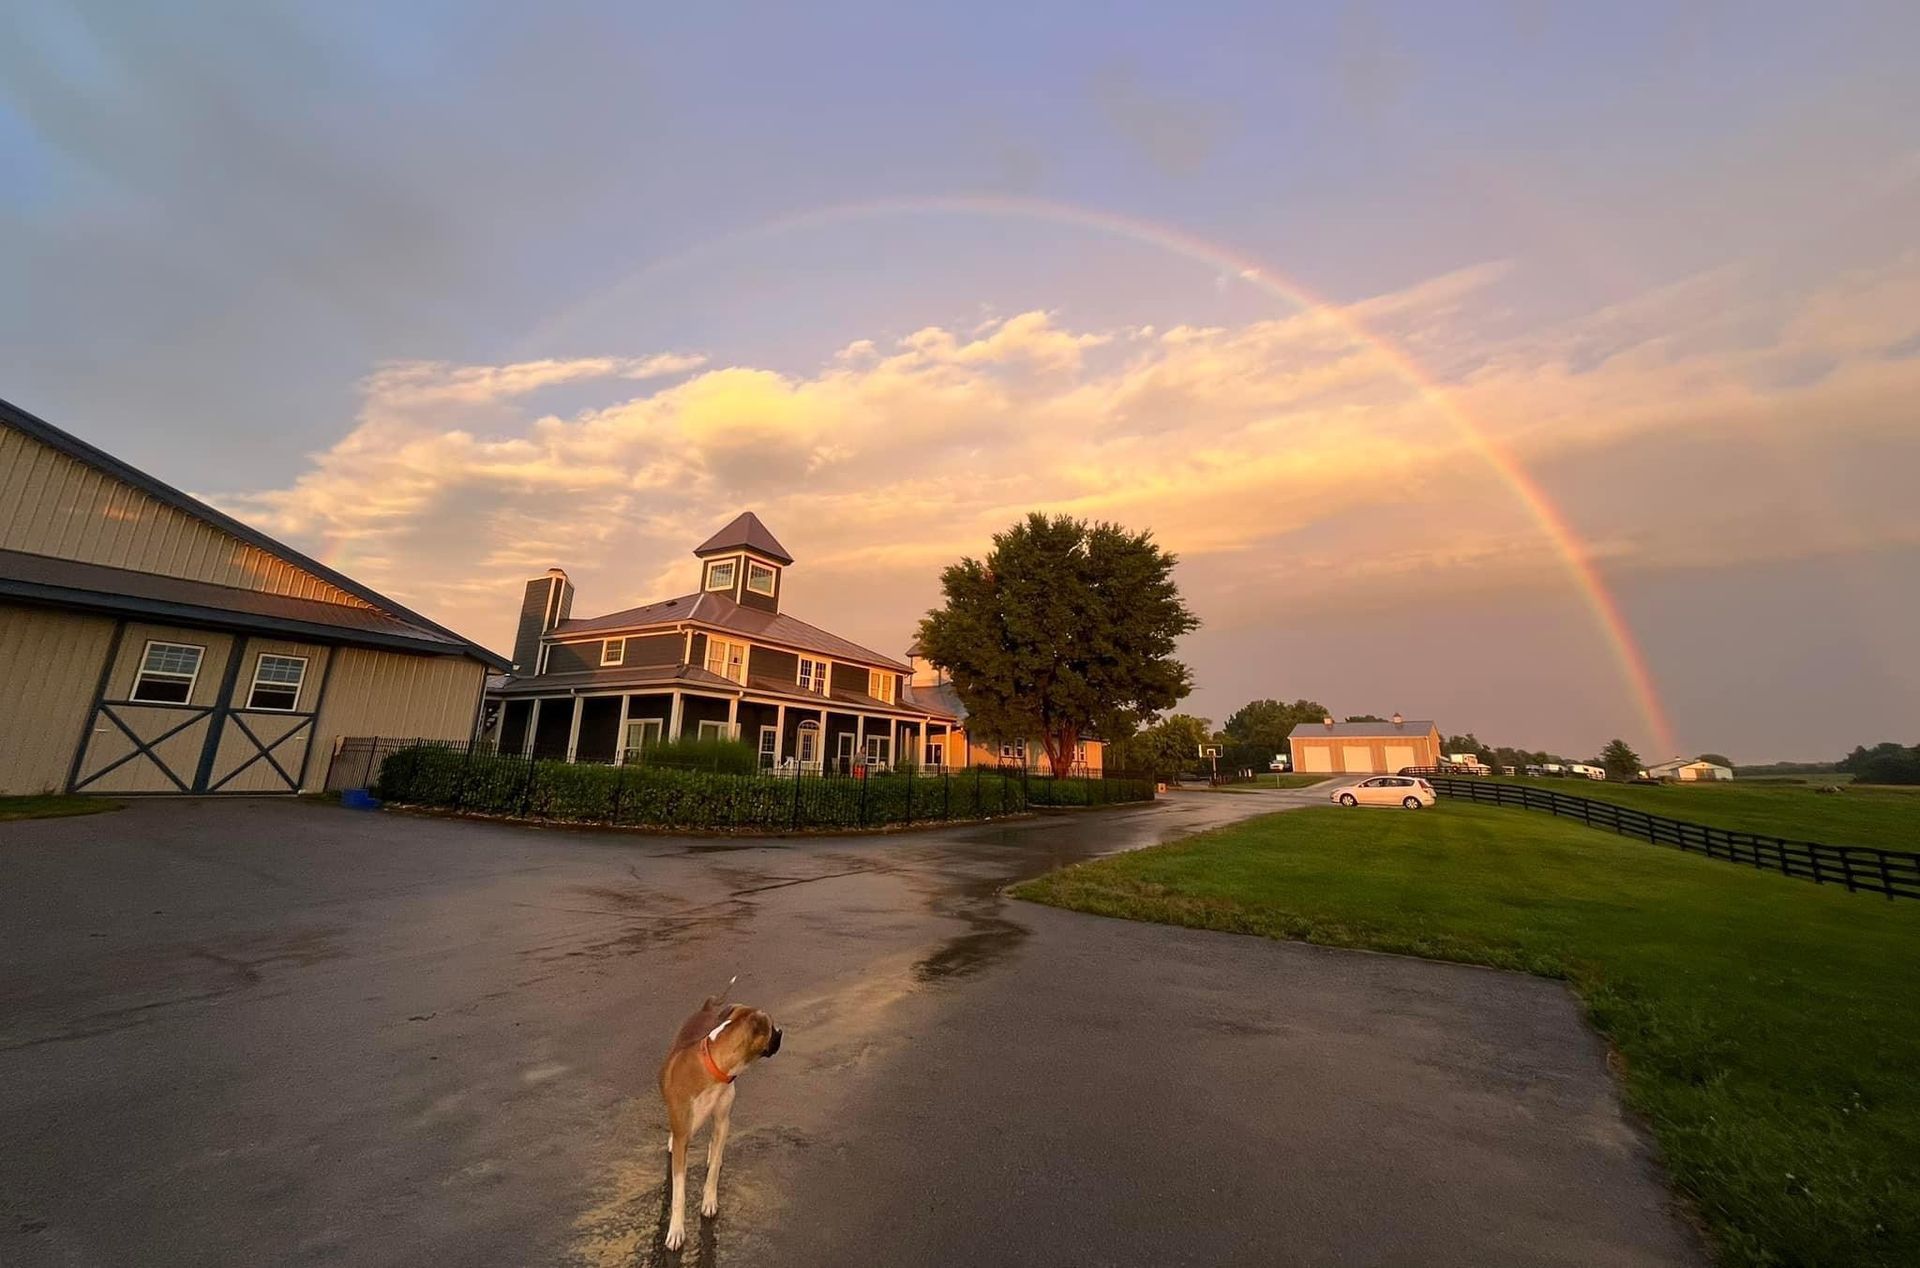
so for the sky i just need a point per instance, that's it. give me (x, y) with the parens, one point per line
(1548, 370)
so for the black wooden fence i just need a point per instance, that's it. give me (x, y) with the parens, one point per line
(1895, 873)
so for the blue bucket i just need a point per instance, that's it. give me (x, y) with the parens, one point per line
(359, 799)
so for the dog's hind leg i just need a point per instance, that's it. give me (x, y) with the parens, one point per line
(716, 1148)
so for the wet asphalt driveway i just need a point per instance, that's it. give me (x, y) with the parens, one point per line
(262, 1032)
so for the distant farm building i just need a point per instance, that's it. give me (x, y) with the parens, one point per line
(1363, 748)
(1690, 770)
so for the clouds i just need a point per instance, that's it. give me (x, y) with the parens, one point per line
(1292, 445)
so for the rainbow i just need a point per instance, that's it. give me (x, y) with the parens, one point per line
(1560, 534)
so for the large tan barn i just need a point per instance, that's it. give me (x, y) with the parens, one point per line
(151, 644)
(1363, 748)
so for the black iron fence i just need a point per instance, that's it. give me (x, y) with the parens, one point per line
(1895, 873)
(475, 778)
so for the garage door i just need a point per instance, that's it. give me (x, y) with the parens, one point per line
(1400, 756)
(1357, 757)
(1316, 759)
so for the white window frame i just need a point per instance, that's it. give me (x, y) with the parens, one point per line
(259, 663)
(713, 573)
(808, 729)
(888, 683)
(822, 675)
(608, 655)
(879, 751)
(755, 571)
(746, 650)
(934, 755)
(768, 749)
(1013, 751)
(142, 673)
(711, 728)
(654, 727)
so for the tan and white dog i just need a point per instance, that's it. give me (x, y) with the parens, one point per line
(696, 1081)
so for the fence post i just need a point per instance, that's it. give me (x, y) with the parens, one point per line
(799, 773)
(1886, 878)
(909, 794)
(864, 781)
(526, 792)
(1846, 868)
(946, 794)
(619, 791)
(373, 742)
(1813, 856)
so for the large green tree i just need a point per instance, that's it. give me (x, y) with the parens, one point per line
(1166, 748)
(1619, 760)
(1267, 723)
(1066, 630)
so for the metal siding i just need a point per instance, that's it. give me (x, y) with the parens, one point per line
(49, 667)
(398, 695)
(55, 505)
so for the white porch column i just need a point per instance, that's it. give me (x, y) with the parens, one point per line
(920, 758)
(733, 718)
(533, 727)
(620, 735)
(779, 734)
(573, 731)
(674, 716)
(822, 754)
(860, 737)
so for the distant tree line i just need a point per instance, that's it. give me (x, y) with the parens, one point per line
(1884, 763)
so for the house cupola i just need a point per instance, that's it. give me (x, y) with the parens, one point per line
(744, 562)
(547, 601)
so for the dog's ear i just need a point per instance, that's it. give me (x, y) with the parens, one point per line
(710, 1003)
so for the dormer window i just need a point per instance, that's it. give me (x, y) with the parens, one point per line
(613, 652)
(728, 659)
(880, 685)
(813, 676)
(720, 574)
(760, 579)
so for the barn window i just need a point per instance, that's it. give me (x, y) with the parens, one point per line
(168, 672)
(276, 682)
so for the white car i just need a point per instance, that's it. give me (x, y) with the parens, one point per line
(1386, 790)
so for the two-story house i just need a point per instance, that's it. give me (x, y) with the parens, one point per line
(723, 661)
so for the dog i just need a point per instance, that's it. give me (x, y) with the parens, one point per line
(696, 1081)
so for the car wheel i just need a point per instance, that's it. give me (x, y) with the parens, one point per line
(1348, 799)
(1411, 803)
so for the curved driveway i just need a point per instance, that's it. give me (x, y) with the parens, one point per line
(265, 1032)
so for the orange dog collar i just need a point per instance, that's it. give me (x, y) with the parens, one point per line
(713, 1067)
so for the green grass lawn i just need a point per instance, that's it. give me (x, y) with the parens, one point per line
(1863, 814)
(1769, 1027)
(1270, 780)
(48, 806)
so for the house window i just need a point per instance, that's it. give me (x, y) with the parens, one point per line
(712, 730)
(760, 579)
(642, 734)
(720, 575)
(727, 658)
(168, 672)
(613, 652)
(276, 682)
(813, 676)
(879, 750)
(936, 754)
(769, 747)
(1080, 753)
(1014, 752)
(880, 685)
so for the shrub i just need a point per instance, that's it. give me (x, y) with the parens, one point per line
(669, 796)
(731, 757)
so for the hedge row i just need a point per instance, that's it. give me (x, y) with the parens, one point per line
(664, 797)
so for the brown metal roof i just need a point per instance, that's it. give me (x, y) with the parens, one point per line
(745, 531)
(1360, 730)
(124, 590)
(722, 613)
(46, 433)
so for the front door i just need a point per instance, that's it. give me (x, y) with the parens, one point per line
(809, 745)
(844, 753)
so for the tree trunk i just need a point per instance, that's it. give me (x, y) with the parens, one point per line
(1060, 746)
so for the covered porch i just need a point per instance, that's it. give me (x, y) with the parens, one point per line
(615, 726)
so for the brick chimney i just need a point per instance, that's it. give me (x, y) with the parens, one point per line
(548, 601)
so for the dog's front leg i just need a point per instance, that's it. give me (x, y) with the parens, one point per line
(716, 1148)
